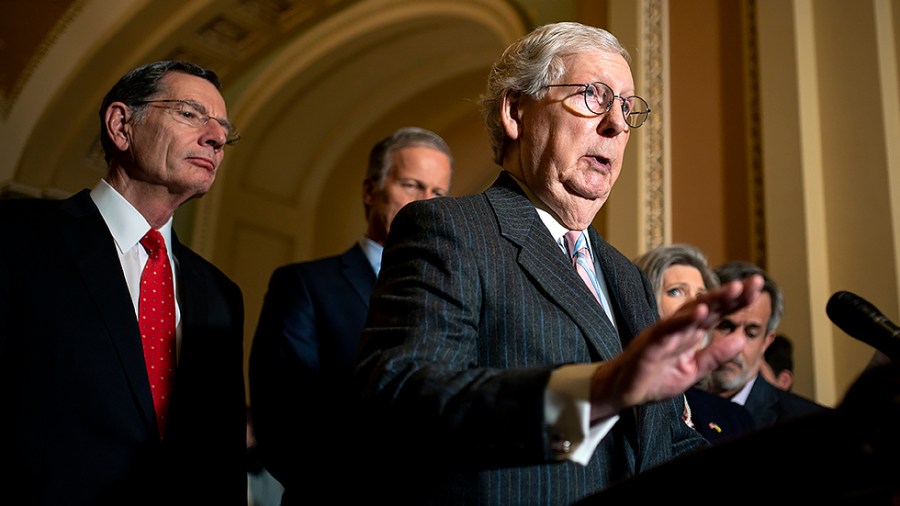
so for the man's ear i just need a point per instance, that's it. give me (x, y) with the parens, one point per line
(768, 340)
(368, 193)
(117, 124)
(784, 380)
(511, 114)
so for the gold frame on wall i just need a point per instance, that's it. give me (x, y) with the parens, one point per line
(753, 124)
(654, 169)
(657, 198)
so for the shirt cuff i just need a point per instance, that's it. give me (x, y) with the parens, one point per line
(568, 413)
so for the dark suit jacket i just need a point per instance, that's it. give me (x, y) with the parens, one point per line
(769, 404)
(716, 418)
(303, 355)
(476, 304)
(79, 422)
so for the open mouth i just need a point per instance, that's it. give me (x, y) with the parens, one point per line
(601, 159)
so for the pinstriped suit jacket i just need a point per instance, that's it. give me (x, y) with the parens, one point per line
(475, 306)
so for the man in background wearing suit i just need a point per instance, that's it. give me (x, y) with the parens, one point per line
(740, 379)
(490, 371)
(307, 338)
(777, 365)
(678, 272)
(92, 416)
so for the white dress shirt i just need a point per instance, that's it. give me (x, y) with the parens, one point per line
(128, 226)
(567, 398)
(373, 252)
(741, 396)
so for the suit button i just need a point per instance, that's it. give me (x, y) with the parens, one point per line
(562, 446)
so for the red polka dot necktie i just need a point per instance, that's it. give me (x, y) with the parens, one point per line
(156, 317)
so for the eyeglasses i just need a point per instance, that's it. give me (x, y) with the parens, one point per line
(193, 114)
(599, 98)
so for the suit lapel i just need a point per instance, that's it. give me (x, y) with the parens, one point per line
(192, 291)
(621, 290)
(91, 247)
(543, 260)
(762, 402)
(358, 271)
(195, 312)
(623, 293)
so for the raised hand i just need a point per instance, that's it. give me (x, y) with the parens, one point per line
(666, 359)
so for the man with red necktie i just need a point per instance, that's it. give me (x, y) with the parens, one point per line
(121, 350)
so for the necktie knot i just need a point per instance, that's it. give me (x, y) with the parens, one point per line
(578, 252)
(575, 243)
(152, 241)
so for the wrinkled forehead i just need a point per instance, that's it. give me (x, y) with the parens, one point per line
(599, 65)
(757, 313)
(182, 86)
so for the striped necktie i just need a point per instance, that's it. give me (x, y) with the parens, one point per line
(581, 259)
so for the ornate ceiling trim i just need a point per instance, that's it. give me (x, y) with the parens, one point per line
(338, 38)
(9, 98)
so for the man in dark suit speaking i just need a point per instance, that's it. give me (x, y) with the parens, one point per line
(307, 339)
(511, 355)
(121, 350)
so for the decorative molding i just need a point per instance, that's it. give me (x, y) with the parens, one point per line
(654, 167)
(12, 190)
(231, 37)
(756, 198)
(34, 60)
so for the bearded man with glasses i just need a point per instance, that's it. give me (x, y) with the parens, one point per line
(121, 350)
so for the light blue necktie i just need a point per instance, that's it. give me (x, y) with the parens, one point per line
(581, 259)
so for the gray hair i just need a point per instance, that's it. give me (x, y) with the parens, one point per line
(742, 270)
(533, 62)
(380, 155)
(141, 84)
(655, 262)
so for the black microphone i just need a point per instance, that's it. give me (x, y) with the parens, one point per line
(863, 321)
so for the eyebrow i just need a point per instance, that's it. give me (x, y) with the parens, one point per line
(203, 110)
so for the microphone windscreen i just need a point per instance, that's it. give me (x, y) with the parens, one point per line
(863, 321)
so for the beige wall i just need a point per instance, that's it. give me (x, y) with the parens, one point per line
(773, 136)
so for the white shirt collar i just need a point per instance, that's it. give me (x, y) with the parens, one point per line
(373, 252)
(741, 396)
(557, 230)
(125, 223)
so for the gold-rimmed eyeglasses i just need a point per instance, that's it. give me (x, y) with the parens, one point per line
(192, 113)
(599, 98)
